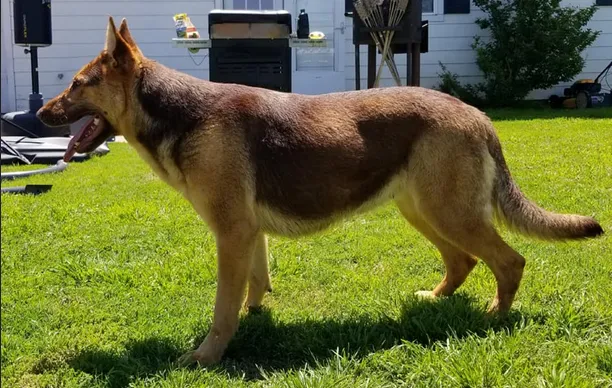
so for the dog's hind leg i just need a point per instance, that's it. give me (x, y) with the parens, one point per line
(458, 263)
(469, 228)
(482, 240)
(453, 194)
(259, 278)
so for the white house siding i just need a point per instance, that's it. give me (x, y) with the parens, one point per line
(7, 88)
(320, 14)
(321, 18)
(4, 87)
(78, 36)
(450, 40)
(79, 29)
(597, 56)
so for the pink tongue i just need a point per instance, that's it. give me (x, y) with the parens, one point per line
(71, 150)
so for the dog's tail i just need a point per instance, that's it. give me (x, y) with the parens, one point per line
(521, 214)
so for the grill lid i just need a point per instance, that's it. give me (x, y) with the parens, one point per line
(220, 16)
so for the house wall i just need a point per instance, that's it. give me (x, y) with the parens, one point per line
(7, 87)
(598, 55)
(79, 30)
(450, 37)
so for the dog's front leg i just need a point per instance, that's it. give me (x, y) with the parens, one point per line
(235, 248)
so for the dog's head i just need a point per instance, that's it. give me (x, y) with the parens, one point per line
(103, 90)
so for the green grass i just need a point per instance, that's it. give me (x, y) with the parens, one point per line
(109, 277)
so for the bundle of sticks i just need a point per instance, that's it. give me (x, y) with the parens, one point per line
(382, 16)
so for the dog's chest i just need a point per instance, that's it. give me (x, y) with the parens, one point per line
(163, 166)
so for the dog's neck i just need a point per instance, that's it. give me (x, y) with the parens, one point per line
(168, 107)
(168, 95)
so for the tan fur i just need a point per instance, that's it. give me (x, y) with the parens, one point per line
(254, 162)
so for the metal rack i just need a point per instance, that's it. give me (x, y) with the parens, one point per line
(410, 37)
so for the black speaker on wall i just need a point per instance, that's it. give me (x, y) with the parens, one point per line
(32, 29)
(32, 23)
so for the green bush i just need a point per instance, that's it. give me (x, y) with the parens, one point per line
(533, 45)
(449, 83)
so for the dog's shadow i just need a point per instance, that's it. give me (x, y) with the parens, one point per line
(263, 344)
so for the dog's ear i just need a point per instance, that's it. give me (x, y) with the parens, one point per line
(116, 47)
(111, 36)
(124, 31)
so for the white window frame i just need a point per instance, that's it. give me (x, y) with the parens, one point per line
(229, 4)
(438, 12)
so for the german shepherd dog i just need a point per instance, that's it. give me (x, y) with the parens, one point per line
(254, 162)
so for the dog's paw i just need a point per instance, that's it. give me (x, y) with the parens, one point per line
(429, 295)
(195, 357)
(255, 309)
(187, 359)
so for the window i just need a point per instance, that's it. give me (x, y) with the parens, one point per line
(428, 7)
(433, 10)
(253, 5)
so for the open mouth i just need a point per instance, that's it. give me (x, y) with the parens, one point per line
(91, 135)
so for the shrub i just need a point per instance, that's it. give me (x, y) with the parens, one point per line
(533, 45)
(449, 83)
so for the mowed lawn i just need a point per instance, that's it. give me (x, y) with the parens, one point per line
(109, 277)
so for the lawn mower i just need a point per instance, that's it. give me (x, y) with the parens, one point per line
(585, 93)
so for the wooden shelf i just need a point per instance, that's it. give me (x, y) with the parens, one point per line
(198, 43)
(305, 43)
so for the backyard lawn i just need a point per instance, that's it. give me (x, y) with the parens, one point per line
(109, 277)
